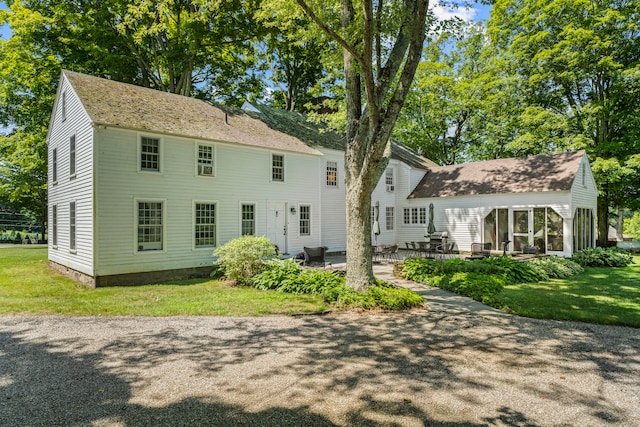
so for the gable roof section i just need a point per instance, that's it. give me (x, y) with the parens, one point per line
(553, 172)
(317, 134)
(127, 106)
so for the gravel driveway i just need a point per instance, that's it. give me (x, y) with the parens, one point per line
(445, 366)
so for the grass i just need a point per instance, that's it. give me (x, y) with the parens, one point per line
(29, 286)
(599, 295)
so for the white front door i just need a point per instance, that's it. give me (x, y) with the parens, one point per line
(277, 224)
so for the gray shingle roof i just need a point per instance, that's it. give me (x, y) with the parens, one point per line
(316, 134)
(554, 172)
(122, 105)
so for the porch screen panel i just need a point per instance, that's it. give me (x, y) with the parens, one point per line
(539, 229)
(490, 223)
(555, 234)
(503, 227)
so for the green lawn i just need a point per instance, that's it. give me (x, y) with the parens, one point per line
(29, 286)
(599, 295)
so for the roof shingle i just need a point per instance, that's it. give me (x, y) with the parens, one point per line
(123, 105)
(553, 172)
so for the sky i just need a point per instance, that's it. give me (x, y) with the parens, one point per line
(479, 12)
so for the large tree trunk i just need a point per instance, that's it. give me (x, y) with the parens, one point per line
(603, 222)
(359, 264)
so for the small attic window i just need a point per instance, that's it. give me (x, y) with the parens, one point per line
(584, 175)
(63, 106)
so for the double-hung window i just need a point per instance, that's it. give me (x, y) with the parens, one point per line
(205, 160)
(150, 226)
(205, 225)
(277, 167)
(305, 220)
(390, 217)
(72, 155)
(149, 154)
(248, 224)
(388, 179)
(332, 174)
(72, 226)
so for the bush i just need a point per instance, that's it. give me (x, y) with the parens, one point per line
(555, 268)
(514, 271)
(244, 257)
(480, 287)
(288, 276)
(602, 257)
(415, 268)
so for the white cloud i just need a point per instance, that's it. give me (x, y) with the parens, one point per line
(444, 12)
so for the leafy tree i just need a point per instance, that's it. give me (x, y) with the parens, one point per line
(632, 225)
(582, 63)
(296, 59)
(382, 44)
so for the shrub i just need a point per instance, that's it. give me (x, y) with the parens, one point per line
(554, 268)
(288, 276)
(419, 269)
(602, 257)
(244, 257)
(514, 271)
(480, 287)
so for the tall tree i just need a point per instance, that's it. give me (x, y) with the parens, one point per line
(382, 45)
(582, 62)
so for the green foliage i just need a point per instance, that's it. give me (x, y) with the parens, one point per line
(416, 267)
(480, 287)
(514, 271)
(554, 268)
(602, 257)
(245, 256)
(632, 225)
(288, 276)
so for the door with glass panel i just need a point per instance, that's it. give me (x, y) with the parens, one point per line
(522, 230)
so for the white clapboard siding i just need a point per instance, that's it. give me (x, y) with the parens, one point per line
(68, 188)
(462, 217)
(241, 175)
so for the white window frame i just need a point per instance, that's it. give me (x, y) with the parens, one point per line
(389, 180)
(160, 154)
(54, 166)
(331, 169)
(73, 226)
(242, 219)
(73, 150)
(307, 207)
(284, 167)
(216, 215)
(54, 226)
(390, 216)
(204, 165)
(136, 202)
(414, 215)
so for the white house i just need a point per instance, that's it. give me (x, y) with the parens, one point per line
(143, 185)
(546, 201)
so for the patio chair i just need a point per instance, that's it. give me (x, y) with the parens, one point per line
(315, 257)
(390, 252)
(480, 250)
(412, 251)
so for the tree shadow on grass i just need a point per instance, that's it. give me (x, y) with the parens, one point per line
(393, 370)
